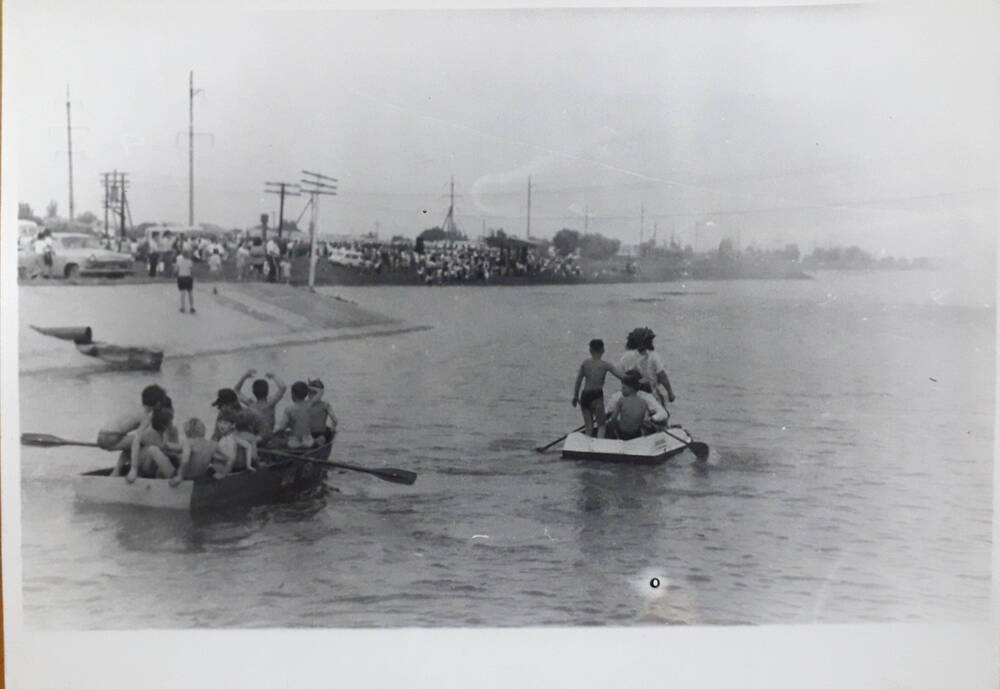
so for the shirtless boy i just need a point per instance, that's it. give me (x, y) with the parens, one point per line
(593, 370)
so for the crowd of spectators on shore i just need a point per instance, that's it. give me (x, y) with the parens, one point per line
(450, 262)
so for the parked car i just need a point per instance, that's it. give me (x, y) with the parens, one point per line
(346, 257)
(74, 255)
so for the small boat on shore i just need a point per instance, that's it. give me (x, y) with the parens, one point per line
(123, 358)
(118, 358)
(655, 448)
(280, 477)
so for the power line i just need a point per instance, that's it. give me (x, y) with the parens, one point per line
(316, 185)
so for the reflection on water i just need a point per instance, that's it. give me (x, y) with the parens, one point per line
(844, 484)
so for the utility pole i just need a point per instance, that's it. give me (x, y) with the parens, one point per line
(283, 189)
(107, 198)
(642, 225)
(586, 218)
(116, 199)
(528, 227)
(316, 185)
(191, 148)
(69, 141)
(449, 224)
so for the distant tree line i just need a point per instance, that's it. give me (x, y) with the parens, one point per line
(591, 245)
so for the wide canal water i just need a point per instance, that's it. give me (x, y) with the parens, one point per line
(851, 425)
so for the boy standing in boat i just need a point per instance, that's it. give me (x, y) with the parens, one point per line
(319, 411)
(629, 409)
(297, 419)
(263, 404)
(594, 371)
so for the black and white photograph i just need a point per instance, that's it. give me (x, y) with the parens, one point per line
(592, 321)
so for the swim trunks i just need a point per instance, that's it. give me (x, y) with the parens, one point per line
(588, 397)
(185, 283)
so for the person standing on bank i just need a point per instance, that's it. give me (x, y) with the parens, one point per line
(641, 357)
(185, 281)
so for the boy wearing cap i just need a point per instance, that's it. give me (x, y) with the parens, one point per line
(226, 400)
(319, 411)
(594, 370)
(628, 409)
(263, 404)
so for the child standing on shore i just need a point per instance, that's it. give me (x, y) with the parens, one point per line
(185, 281)
(593, 370)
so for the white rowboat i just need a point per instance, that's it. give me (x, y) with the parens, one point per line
(655, 448)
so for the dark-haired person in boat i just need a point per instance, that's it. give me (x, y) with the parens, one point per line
(226, 401)
(297, 419)
(230, 446)
(319, 411)
(628, 410)
(263, 403)
(150, 446)
(641, 357)
(594, 371)
(115, 434)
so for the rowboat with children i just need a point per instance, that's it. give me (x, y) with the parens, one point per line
(282, 476)
(655, 448)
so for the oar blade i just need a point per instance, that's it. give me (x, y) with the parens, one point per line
(700, 451)
(42, 440)
(407, 478)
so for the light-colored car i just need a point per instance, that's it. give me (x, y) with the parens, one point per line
(75, 255)
(346, 257)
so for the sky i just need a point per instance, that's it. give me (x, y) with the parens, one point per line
(815, 125)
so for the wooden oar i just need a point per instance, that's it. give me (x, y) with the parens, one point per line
(559, 439)
(392, 475)
(700, 450)
(46, 440)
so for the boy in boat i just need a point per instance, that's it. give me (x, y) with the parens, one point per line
(197, 452)
(263, 403)
(115, 434)
(629, 409)
(150, 446)
(226, 401)
(594, 371)
(319, 411)
(641, 357)
(297, 419)
(228, 458)
(246, 423)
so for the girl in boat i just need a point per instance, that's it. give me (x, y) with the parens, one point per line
(231, 447)
(640, 357)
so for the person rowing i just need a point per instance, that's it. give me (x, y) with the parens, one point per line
(633, 410)
(641, 357)
(116, 434)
